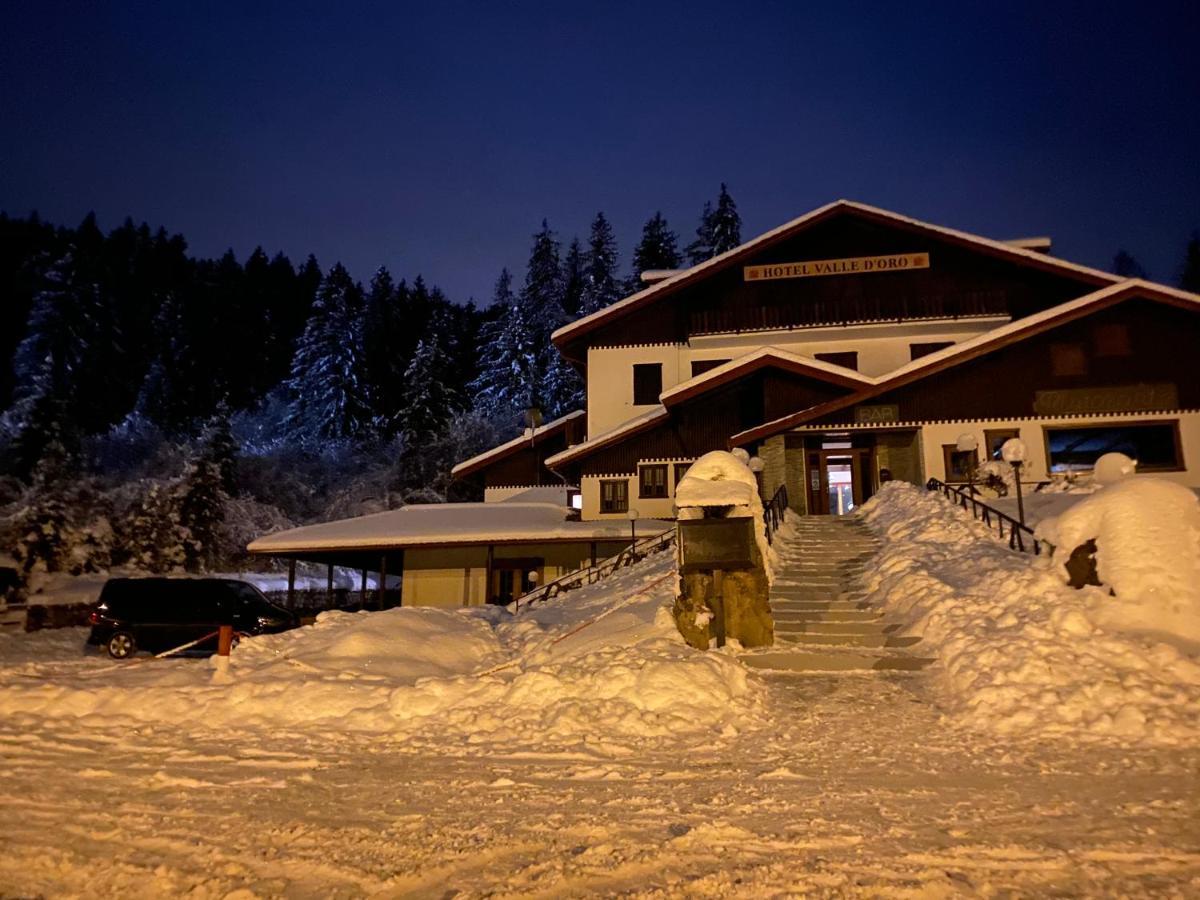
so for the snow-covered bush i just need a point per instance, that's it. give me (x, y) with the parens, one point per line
(1147, 534)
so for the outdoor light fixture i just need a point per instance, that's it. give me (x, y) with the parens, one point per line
(1012, 452)
(633, 517)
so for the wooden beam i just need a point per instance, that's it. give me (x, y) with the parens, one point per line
(487, 579)
(382, 579)
(329, 584)
(292, 583)
(362, 591)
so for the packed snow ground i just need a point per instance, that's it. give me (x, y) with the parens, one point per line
(582, 749)
(1020, 652)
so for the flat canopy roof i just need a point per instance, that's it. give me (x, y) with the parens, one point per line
(447, 525)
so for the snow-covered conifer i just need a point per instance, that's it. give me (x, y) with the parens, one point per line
(600, 285)
(328, 390)
(658, 249)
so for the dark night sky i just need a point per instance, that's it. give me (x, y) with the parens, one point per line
(434, 137)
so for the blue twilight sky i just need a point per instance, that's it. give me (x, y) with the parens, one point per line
(434, 137)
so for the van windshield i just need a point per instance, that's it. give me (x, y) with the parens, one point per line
(252, 597)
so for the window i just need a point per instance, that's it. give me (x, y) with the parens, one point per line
(681, 471)
(958, 463)
(1068, 359)
(614, 495)
(647, 383)
(1112, 340)
(916, 351)
(700, 366)
(1155, 446)
(994, 439)
(847, 359)
(653, 481)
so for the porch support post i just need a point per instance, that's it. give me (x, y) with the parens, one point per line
(291, 583)
(487, 577)
(329, 584)
(382, 578)
(362, 591)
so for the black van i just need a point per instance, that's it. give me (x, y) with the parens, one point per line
(161, 613)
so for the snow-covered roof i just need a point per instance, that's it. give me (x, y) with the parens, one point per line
(489, 456)
(981, 343)
(443, 524)
(713, 377)
(1012, 251)
(759, 358)
(608, 437)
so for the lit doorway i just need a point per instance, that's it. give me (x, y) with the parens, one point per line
(839, 479)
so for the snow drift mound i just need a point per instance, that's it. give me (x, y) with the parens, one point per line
(1147, 534)
(1019, 651)
(601, 670)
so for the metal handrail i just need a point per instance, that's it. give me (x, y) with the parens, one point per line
(774, 511)
(980, 510)
(593, 573)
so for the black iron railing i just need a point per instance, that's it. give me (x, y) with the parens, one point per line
(593, 573)
(1020, 537)
(774, 511)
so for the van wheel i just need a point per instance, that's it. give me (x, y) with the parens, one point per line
(121, 645)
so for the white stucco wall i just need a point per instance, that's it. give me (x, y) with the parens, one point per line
(647, 507)
(1036, 466)
(610, 381)
(881, 348)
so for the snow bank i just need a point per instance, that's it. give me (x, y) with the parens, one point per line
(1021, 653)
(601, 670)
(1147, 534)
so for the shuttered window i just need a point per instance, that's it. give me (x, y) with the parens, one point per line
(614, 495)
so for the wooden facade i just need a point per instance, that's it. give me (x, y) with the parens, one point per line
(523, 464)
(962, 281)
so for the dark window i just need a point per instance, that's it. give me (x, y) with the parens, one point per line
(1112, 340)
(847, 359)
(614, 496)
(994, 439)
(647, 383)
(680, 471)
(1155, 446)
(1068, 359)
(700, 366)
(653, 481)
(916, 351)
(958, 463)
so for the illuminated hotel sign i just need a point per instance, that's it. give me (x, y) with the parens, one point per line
(855, 265)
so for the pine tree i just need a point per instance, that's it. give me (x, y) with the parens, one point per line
(1189, 277)
(573, 278)
(600, 286)
(508, 355)
(428, 400)
(220, 447)
(1126, 266)
(658, 249)
(564, 389)
(153, 536)
(60, 364)
(385, 332)
(327, 386)
(201, 513)
(720, 229)
(541, 296)
(44, 526)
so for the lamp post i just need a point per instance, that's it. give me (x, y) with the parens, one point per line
(633, 517)
(1012, 452)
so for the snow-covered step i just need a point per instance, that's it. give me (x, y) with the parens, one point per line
(825, 615)
(809, 626)
(846, 640)
(819, 607)
(815, 661)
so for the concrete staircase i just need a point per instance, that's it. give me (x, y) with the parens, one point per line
(822, 624)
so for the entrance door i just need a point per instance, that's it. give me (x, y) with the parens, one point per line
(838, 480)
(511, 578)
